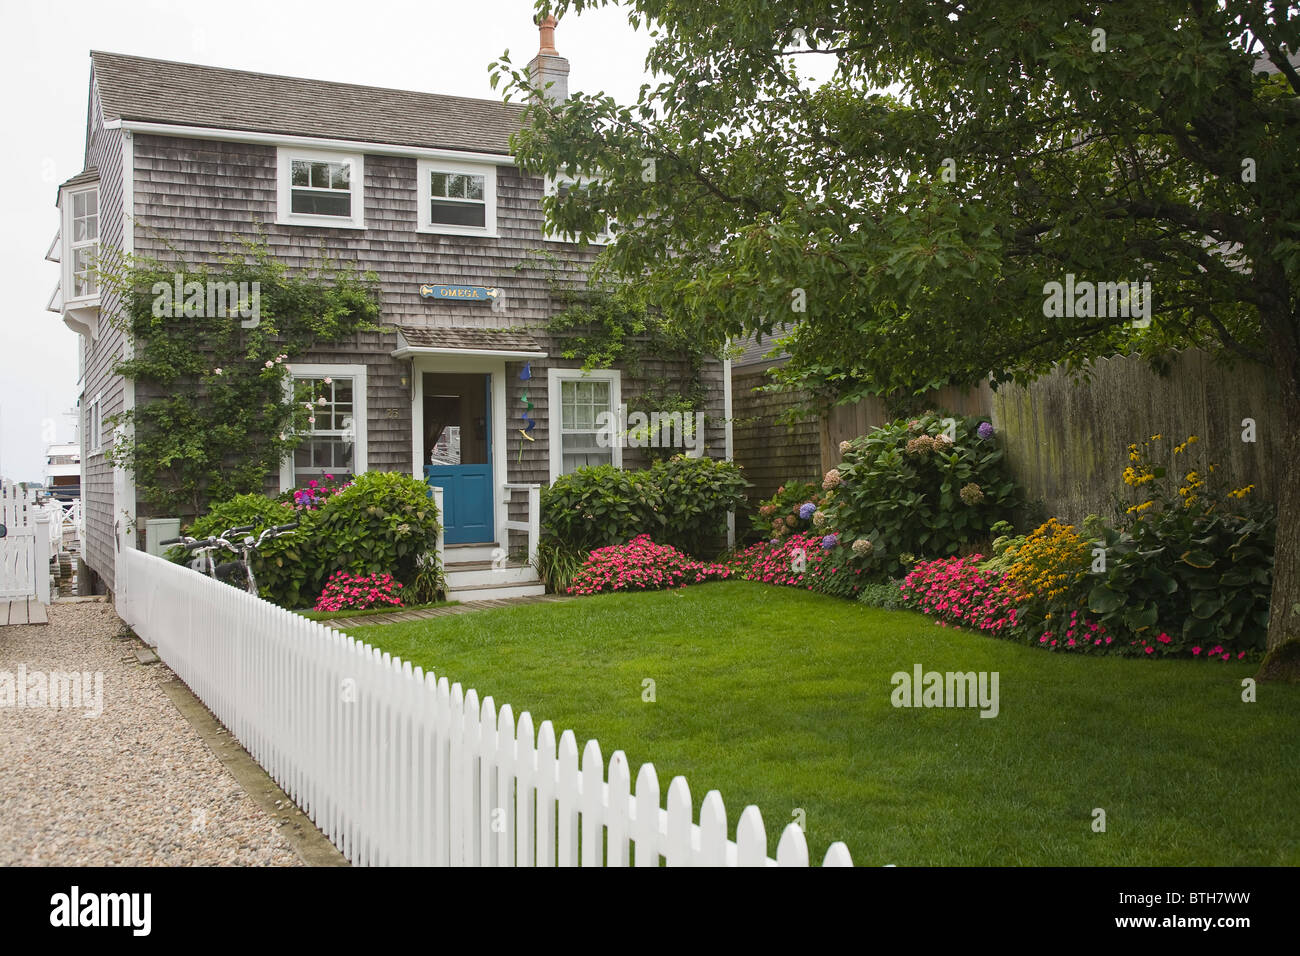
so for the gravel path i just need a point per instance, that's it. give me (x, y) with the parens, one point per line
(135, 786)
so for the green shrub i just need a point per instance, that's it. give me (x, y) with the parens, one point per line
(383, 522)
(682, 502)
(780, 516)
(1187, 568)
(926, 486)
(283, 566)
(886, 595)
(697, 494)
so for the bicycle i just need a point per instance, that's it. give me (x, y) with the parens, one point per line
(228, 572)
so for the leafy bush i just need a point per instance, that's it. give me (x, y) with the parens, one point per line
(382, 523)
(354, 592)
(281, 565)
(786, 512)
(926, 486)
(886, 595)
(682, 502)
(641, 565)
(1192, 565)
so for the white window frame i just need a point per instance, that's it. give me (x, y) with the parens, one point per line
(424, 167)
(552, 188)
(360, 409)
(285, 216)
(95, 426)
(555, 410)
(70, 246)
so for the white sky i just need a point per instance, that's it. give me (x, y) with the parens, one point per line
(432, 45)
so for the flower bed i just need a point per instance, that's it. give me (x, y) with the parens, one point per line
(359, 592)
(641, 565)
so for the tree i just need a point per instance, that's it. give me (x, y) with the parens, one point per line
(916, 206)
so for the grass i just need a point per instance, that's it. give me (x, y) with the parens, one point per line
(369, 612)
(781, 698)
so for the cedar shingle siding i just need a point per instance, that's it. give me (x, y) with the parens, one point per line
(195, 195)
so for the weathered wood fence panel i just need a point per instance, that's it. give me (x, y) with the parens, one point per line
(1067, 438)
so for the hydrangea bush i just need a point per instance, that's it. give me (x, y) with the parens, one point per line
(927, 486)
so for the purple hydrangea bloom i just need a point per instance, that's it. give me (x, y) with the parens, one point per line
(828, 542)
(806, 510)
(985, 430)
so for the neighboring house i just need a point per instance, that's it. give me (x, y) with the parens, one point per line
(419, 188)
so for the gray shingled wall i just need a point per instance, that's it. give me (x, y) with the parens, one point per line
(196, 195)
(104, 151)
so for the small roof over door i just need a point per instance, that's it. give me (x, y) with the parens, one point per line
(508, 343)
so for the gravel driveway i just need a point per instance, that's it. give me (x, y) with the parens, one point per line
(134, 786)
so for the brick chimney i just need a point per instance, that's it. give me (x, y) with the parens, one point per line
(548, 66)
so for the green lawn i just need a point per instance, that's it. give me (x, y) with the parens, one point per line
(782, 698)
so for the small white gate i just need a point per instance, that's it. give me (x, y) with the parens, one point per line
(25, 548)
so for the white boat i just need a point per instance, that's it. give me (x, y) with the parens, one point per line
(63, 471)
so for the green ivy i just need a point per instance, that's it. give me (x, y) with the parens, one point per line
(214, 417)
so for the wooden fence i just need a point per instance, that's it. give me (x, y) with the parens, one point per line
(1067, 438)
(400, 767)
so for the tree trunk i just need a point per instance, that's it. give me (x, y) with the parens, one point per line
(1282, 660)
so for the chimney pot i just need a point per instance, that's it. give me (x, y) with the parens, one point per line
(547, 30)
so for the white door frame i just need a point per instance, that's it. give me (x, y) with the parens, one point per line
(465, 364)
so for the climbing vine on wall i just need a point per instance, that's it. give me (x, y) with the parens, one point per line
(214, 414)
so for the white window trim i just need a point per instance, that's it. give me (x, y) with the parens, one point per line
(552, 188)
(488, 171)
(360, 409)
(95, 426)
(285, 216)
(66, 232)
(554, 376)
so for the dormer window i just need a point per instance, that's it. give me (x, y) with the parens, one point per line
(457, 199)
(81, 232)
(320, 189)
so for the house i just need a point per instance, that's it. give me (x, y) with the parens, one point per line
(417, 187)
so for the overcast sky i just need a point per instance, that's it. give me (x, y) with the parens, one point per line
(432, 45)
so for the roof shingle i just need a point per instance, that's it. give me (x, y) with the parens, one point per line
(486, 340)
(162, 91)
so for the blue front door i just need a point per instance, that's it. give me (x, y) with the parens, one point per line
(458, 453)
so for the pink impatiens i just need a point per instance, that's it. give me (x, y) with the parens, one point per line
(358, 592)
(641, 565)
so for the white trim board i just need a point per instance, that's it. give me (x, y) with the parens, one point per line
(314, 142)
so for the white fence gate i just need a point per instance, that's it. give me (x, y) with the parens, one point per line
(398, 767)
(25, 549)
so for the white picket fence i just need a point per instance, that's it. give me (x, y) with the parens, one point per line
(400, 767)
(26, 547)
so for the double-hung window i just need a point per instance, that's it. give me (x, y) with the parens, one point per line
(457, 198)
(585, 423)
(561, 186)
(320, 188)
(334, 442)
(82, 231)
